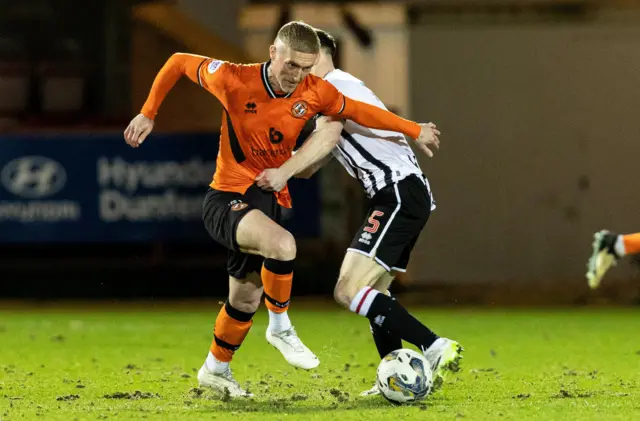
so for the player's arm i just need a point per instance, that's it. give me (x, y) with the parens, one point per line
(181, 64)
(309, 172)
(337, 104)
(199, 69)
(308, 159)
(315, 149)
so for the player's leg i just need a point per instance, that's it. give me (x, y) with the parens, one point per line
(354, 291)
(359, 271)
(231, 327)
(630, 243)
(385, 340)
(222, 214)
(608, 248)
(384, 282)
(391, 323)
(260, 234)
(384, 243)
(394, 222)
(388, 341)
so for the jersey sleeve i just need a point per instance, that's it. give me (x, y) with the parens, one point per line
(214, 76)
(332, 101)
(367, 115)
(208, 73)
(364, 114)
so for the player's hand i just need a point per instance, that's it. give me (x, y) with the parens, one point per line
(272, 179)
(138, 130)
(428, 138)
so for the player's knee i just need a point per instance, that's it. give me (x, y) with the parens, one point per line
(340, 296)
(247, 303)
(344, 292)
(282, 248)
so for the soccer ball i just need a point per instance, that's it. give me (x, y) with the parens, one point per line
(404, 376)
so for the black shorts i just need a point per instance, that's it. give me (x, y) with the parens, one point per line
(222, 212)
(396, 217)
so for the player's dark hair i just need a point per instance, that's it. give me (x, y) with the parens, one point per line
(327, 42)
(300, 37)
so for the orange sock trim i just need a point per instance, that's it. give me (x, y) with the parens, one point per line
(631, 243)
(229, 332)
(277, 278)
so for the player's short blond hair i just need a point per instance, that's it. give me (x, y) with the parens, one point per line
(300, 37)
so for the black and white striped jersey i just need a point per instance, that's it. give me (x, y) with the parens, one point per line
(376, 158)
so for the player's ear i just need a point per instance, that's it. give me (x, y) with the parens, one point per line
(272, 52)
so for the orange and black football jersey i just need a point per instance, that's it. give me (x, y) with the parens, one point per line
(260, 127)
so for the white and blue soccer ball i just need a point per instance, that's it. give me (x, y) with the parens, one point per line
(404, 376)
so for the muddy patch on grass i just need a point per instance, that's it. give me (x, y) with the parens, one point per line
(339, 394)
(299, 397)
(132, 396)
(68, 398)
(566, 394)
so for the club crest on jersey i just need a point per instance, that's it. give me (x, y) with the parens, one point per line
(299, 109)
(213, 66)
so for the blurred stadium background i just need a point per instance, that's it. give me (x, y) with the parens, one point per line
(537, 100)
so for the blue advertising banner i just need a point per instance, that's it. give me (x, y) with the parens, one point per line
(94, 188)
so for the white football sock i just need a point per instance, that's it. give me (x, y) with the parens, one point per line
(215, 366)
(619, 246)
(362, 301)
(279, 322)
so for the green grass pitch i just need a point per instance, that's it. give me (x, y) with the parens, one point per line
(131, 364)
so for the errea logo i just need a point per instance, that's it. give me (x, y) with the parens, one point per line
(365, 238)
(251, 108)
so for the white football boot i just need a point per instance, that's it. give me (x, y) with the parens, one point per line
(223, 383)
(603, 257)
(444, 355)
(292, 348)
(371, 392)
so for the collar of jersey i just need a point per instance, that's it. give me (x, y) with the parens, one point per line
(265, 82)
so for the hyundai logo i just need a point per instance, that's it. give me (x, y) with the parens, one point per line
(33, 177)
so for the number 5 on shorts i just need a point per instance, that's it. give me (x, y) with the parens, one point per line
(375, 224)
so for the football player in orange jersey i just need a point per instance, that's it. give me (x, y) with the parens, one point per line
(608, 248)
(265, 108)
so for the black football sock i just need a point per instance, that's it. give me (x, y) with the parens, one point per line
(385, 341)
(387, 314)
